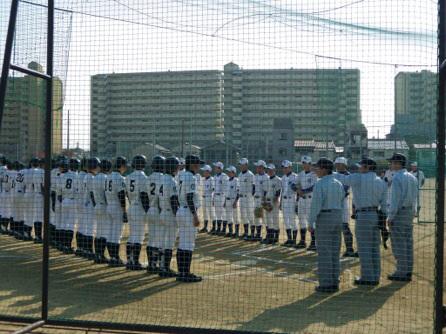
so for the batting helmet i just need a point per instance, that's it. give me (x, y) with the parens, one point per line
(74, 164)
(34, 162)
(93, 163)
(139, 162)
(158, 163)
(171, 165)
(120, 162)
(64, 164)
(106, 165)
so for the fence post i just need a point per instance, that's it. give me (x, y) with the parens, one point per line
(48, 153)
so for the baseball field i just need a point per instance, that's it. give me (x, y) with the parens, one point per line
(246, 287)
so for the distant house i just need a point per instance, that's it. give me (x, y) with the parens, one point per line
(315, 149)
(381, 149)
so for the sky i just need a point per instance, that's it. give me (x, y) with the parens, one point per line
(379, 37)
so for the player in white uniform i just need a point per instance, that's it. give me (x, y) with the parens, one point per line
(340, 174)
(246, 192)
(11, 175)
(38, 184)
(60, 232)
(100, 209)
(19, 203)
(155, 230)
(168, 197)
(55, 172)
(187, 218)
(306, 181)
(272, 196)
(288, 203)
(115, 193)
(81, 216)
(69, 191)
(260, 181)
(207, 183)
(4, 215)
(136, 185)
(28, 198)
(231, 202)
(220, 184)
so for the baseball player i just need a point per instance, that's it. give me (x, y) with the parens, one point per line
(10, 187)
(246, 193)
(81, 219)
(115, 194)
(181, 169)
(306, 181)
(340, 175)
(231, 202)
(100, 209)
(187, 219)
(19, 202)
(60, 225)
(208, 198)
(260, 183)
(68, 189)
(155, 229)
(28, 198)
(220, 184)
(136, 185)
(419, 175)
(271, 205)
(168, 197)
(38, 184)
(55, 172)
(288, 203)
(4, 215)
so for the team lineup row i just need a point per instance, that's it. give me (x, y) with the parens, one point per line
(95, 201)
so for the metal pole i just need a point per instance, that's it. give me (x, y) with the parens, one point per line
(30, 328)
(48, 152)
(440, 186)
(7, 56)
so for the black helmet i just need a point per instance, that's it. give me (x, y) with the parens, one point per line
(171, 165)
(16, 165)
(139, 162)
(158, 163)
(93, 163)
(325, 163)
(106, 165)
(370, 163)
(64, 164)
(120, 162)
(74, 164)
(193, 160)
(34, 162)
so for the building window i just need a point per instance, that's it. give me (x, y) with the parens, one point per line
(283, 136)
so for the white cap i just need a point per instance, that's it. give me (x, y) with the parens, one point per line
(219, 164)
(415, 164)
(206, 168)
(305, 159)
(287, 163)
(341, 160)
(260, 163)
(271, 166)
(243, 161)
(182, 161)
(231, 169)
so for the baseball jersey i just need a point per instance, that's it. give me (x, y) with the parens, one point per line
(188, 185)
(99, 183)
(232, 189)
(135, 184)
(419, 176)
(54, 178)
(260, 181)
(115, 183)
(3, 170)
(28, 176)
(11, 175)
(69, 185)
(20, 181)
(208, 186)
(273, 187)
(87, 188)
(289, 185)
(246, 182)
(166, 191)
(38, 180)
(154, 182)
(307, 180)
(220, 183)
(340, 176)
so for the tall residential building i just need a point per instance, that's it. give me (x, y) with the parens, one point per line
(171, 109)
(22, 134)
(415, 106)
(323, 104)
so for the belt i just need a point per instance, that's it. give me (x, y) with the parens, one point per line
(287, 197)
(327, 210)
(19, 191)
(243, 196)
(368, 209)
(185, 207)
(305, 197)
(218, 194)
(207, 196)
(256, 196)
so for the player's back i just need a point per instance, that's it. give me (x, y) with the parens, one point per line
(99, 183)
(69, 185)
(136, 183)
(154, 181)
(186, 185)
(166, 191)
(115, 184)
(20, 181)
(38, 180)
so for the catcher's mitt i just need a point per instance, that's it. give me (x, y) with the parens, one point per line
(267, 206)
(258, 212)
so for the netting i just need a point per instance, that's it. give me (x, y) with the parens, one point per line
(193, 144)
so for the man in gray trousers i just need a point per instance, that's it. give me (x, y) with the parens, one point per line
(326, 218)
(369, 196)
(402, 208)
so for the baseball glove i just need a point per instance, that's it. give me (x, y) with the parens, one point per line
(258, 212)
(267, 206)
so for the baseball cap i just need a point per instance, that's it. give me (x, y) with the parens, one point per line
(287, 163)
(182, 161)
(243, 161)
(341, 160)
(415, 164)
(325, 163)
(367, 162)
(219, 164)
(305, 159)
(231, 169)
(193, 160)
(398, 157)
(260, 163)
(271, 166)
(206, 168)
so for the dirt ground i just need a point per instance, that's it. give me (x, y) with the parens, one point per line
(246, 287)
